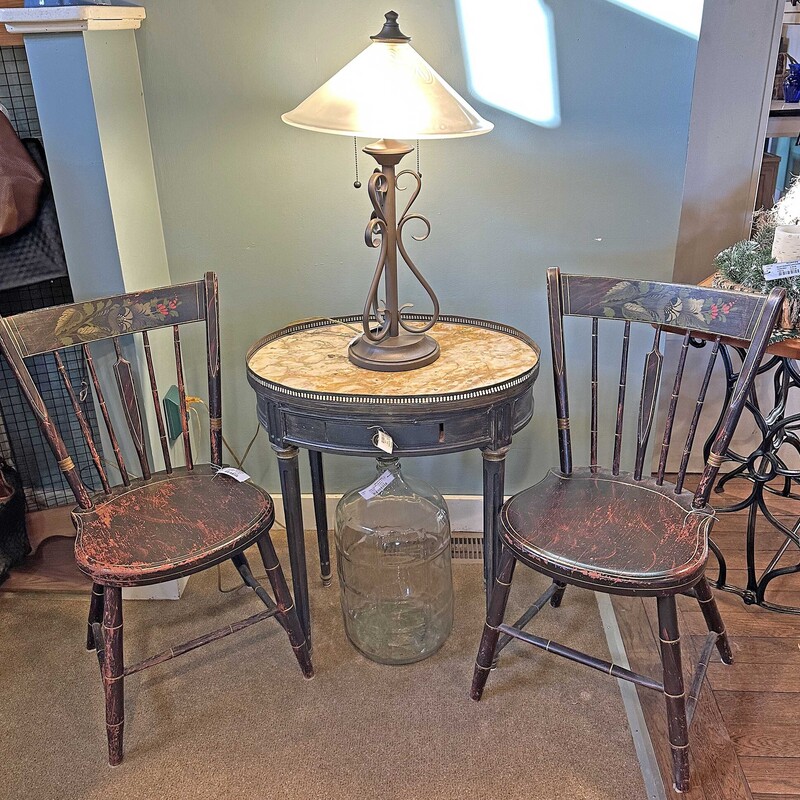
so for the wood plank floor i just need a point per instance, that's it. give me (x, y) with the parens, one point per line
(745, 739)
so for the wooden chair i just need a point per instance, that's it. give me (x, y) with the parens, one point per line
(623, 532)
(162, 525)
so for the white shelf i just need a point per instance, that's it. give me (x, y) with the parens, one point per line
(64, 19)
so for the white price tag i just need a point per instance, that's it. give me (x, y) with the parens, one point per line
(786, 269)
(377, 486)
(234, 473)
(384, 442)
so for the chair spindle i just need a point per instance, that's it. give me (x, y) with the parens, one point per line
(212, 347)
(130, 405)
(673, 404)
(101, 400)
(701, 397)
(84, 425)
(651, 380)
(593, 422)
(623, 372)
(187, 445)
(559, 370)
(162, 432)
(11, 350)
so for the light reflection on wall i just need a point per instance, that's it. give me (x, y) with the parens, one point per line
(511, 57)
(680, 15)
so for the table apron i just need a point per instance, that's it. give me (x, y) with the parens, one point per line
(415, 432)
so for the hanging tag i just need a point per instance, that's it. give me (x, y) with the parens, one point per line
(377, 486)
(384, 442)
(234, 473)
(786, 269)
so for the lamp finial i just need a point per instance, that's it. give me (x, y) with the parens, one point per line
(391, 30)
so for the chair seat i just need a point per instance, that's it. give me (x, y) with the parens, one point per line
(169, 526)
(600, 530)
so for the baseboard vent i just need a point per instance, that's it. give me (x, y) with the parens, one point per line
(467, 546)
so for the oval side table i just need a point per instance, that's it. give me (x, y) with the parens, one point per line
(477, 395)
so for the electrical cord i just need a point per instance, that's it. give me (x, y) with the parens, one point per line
(339, 322)
(192, 401)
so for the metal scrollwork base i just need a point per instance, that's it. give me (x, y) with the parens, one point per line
(390, 341)
(769, 474)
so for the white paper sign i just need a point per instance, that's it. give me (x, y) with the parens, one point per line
(786, 269)
(377, 486)
(234, 473)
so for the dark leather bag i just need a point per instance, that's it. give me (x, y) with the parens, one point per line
(20, 182)
(14, 544)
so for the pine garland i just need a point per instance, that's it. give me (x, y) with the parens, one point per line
(742, 262)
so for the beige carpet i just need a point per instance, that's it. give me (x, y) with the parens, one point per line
(236, 719)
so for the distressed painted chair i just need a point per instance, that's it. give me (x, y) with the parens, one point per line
(162, 525)
(630, 533)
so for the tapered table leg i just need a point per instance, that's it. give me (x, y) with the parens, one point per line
(290, 491)
(320, 515)
(494, 472)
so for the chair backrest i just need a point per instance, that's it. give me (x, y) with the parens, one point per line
(50, 330)
(663, 308)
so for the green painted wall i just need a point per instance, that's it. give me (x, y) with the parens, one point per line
(273, 210)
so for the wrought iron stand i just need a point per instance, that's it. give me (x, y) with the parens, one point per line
(768, 472)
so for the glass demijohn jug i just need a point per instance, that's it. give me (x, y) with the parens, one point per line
(393, 554)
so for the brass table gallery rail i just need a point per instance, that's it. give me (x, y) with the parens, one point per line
(477, 395)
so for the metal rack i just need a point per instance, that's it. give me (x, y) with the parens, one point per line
(20, 440)
(16, 92)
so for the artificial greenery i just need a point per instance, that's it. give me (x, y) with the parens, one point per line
(742, 262)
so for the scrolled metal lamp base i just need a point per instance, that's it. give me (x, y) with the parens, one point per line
(389, 342)
(396, 353)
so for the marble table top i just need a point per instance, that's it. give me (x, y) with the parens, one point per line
(472, 357)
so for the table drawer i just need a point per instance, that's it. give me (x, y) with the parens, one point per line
(348, 436)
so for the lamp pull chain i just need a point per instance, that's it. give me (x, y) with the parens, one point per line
(356, 182)
(418, 172)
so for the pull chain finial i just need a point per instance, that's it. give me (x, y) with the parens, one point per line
(357, 182)
(418, 172)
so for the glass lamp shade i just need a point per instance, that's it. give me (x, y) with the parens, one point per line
(388, 91)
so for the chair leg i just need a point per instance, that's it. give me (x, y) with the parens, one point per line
(708, 605)
(674, 693)
(555, 600)
(287, 613)
(243, 567)
(494, 617)
(95, 615)
(112, 671)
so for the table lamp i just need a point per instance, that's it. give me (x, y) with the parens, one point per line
(389, 92)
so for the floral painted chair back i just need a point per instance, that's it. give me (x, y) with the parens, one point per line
(698, 315)
(49, 330)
